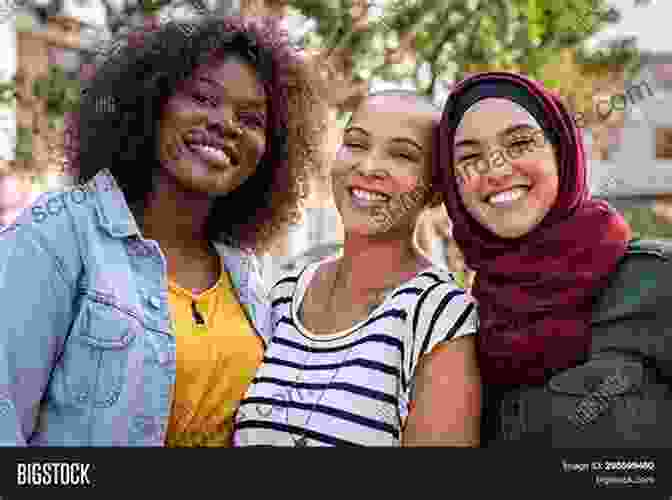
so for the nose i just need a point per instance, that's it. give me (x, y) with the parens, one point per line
(224, 123)
(496, 166)
(367, 166)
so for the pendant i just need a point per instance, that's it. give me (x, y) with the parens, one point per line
(301, 442)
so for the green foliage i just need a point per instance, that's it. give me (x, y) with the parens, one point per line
(645, 225)
(24, 143)
(452, 37)
(151, 7)
(60, 93)
(7, 93)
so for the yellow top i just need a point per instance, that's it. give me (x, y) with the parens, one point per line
(216, 362)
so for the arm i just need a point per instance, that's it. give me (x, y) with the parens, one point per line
(446, 406)
(36, 315)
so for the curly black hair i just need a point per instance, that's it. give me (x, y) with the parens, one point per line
(115, 124)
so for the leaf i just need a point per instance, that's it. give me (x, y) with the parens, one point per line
(551, 83)
(40, 87)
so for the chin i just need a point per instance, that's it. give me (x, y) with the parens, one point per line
(511, 232)
(360, 229)
(206, 184)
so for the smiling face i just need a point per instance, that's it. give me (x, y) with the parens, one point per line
(506, 170)
(381, 175)
(212, 133)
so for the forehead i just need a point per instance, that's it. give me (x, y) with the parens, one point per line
(230, 72)
(490, 116)
(395, 116)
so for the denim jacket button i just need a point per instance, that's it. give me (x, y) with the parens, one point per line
(5, 407)
(155, 302)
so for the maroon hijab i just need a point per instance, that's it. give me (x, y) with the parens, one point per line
(535, 292)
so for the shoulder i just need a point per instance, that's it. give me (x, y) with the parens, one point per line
(643, 261)
(286, 286)
(429, 285)
(441, 310)
(282, 291)
(55, 222)
(658, 248)
(414, 289)
(642, 281)
(56, 210)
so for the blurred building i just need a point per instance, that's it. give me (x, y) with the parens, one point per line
(639, 151)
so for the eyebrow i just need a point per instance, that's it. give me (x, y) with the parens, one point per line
(507, 131)
(257, 101)
(405, 140)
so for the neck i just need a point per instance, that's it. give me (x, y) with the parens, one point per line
(369, 264)
(9, 216)
(176, 218)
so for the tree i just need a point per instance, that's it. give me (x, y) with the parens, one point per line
(428, 42)
(126, 12)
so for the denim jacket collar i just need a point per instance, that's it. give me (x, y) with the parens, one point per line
(115, 217)
(113, 212)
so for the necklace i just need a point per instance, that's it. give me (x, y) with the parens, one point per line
(302, 440)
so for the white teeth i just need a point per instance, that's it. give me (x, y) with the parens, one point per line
(217, 153)
(508, 196)
(368, 195)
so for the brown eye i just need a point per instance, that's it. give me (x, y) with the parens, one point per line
(202, 98)
(521, 143)
(406, 156)
(521, 146)
(467, 158)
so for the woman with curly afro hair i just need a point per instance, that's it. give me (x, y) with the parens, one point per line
(135, 314)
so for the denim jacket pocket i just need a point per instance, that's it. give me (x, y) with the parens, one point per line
(95, 358)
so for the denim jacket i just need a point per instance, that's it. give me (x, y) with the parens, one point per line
(87, 352)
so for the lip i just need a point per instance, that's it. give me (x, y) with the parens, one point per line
(366, 188)
(486, 198)
(200, 140)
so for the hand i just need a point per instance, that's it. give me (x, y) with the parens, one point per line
(662, 207)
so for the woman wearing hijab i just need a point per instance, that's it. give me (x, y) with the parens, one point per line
(574, 345)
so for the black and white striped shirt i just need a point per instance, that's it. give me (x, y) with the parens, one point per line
(352, 387)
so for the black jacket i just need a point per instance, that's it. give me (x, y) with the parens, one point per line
(621, 396)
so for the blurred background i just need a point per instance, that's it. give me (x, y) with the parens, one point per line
(611, 61)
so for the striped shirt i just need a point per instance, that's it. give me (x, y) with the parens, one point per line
(352, 387)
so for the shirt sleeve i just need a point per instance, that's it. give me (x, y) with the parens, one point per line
(37, 302)
(443, 312)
